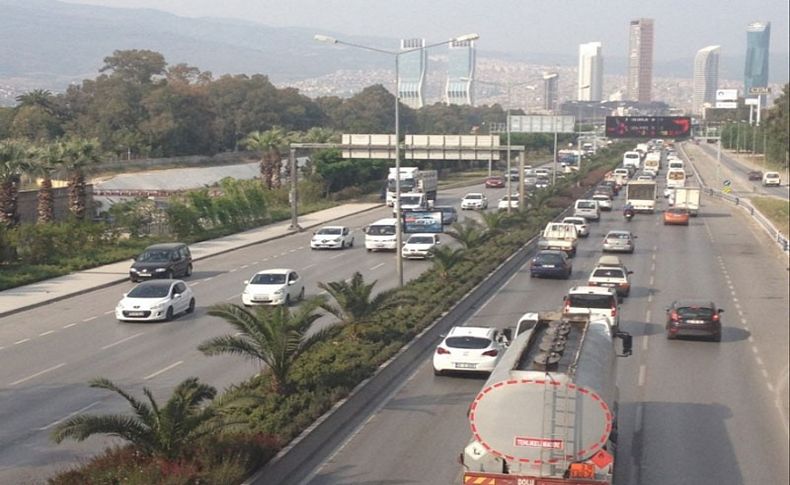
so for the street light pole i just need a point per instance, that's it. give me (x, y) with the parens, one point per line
(396, 54)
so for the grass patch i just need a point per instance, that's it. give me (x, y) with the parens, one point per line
(776, 210)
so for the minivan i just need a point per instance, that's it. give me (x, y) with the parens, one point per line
(588, 209)
(169, 260)
(595, 301)
(381, 235)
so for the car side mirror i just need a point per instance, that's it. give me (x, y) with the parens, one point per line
(721, 310)
(508, 333)
(177, 295)
(246, 282)
(365, 229)
(290, 283)
(630, 272)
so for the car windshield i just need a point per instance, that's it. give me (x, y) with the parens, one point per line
(585, 205)
(467, 342)
(608, 273)
(268, 279)
(473, 196)
(600, 197)
(676, 211)
(573, 221)
(149, 291)
(333, 231)
(410, 200)
(420, 240)
(695, 312)
(618, 235)
(590, 301)
(381, 230)
(548, 259)
(154, 256)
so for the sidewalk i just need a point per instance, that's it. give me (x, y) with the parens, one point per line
(30, 296)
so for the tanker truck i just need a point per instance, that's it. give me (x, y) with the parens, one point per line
(548, 412)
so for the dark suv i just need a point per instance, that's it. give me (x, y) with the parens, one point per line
(171, 260)
(694, 318)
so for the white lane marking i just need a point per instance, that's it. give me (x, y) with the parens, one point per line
(22, 341)
(64, 418)
(121, 341)
(759, 361)
(254, 263)
(751, 339)
(737, 305)
(655, 248)
(653, 267)
(245, 266)
(308, 266)
(642, 370)
(109, 312)
(292, 250)
(44, 334)
(769, 386)
(654, 257)
(644, 343)
(337, 256)
(647, 315)
(196, 283)
(209, 278)
(90, 318)
(377, 266)
(764, 373)
(652, 280)
(284, 253)
(69, 325)
(1, 347)
(231, 297)
(650, 297)
(233, 270)
(743, 321)
(33, 376)
(754, 349)
(300, 248)
(162, 371)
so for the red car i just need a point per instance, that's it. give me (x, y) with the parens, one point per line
(694, 318)
(676, 216)
(495, 182)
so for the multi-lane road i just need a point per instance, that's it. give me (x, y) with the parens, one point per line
(740, 172)
(690, 411)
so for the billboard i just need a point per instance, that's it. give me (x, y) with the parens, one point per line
(648, 126)
(726, 104)
(415, 222)
(542, 124)
(726, 95)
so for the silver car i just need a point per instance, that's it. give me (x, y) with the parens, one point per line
(619, 241)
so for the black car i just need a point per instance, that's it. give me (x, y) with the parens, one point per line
(169, 260)
(755, 175)
(612, 184)
(551, 263)
(449, 215)
(694, 318)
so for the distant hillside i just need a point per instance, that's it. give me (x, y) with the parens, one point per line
(47, 43)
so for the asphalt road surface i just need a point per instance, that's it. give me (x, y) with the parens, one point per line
(741, 171)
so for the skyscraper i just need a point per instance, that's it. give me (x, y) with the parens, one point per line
(640, 60)
(412, 69)
(758, 35)
(706, 78)
(551, 87)
(590, 72)
(460, 72)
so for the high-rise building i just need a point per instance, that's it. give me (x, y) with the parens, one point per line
(758, 35)
(551, 87)
(460, 72)
(640, 60)
(706, 78)
(412, 70)
(590, 72)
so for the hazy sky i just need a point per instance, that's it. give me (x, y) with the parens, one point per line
(545, 26)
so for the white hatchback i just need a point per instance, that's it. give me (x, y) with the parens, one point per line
(273, 287)
(337, 237)
(474, 200)
(419, 246)
(155, 300)
(469, 349)
(582, 229)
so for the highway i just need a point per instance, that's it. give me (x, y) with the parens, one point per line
(50, 353)
(740, 171)
(691, 411)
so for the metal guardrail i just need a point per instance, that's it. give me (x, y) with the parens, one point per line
(743, 203)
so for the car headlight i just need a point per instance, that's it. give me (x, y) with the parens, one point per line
(158, 307)
(133, 270)
(160, 270)
(279, 292)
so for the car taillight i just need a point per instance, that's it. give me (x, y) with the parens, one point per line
(592, 283)
(673, 316)
(614, 311)
(715, 317)
(442, 350)
(491, 353)
(566, 306)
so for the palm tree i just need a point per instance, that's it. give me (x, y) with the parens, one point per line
(79, 155)
(155, 431)
(45, 161)
(353, 303)
(494, 222)
(268, 144)
(14, 160)
(274, 336)
(469, 233)
(444, 258)
(41, 98)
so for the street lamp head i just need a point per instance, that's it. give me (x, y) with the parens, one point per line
(324, 39)
(466, 37)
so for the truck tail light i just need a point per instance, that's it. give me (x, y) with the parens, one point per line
(491, 353)
(442, 350)
(673, 316)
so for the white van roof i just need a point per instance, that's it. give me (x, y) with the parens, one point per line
(390, 221)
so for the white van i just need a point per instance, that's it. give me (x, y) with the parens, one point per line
(632, 159)
(381, 235)
(676, 163)
(597, 301)
(588, 209)
(676, 177)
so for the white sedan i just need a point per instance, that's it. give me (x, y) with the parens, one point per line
(474, 200)
(273, 287)
(511, 200)
(155, 300)
(469, 349)
(328, 237)
(419, 246)
(582, 229)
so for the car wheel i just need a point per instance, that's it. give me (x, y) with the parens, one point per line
(133, 280)
(352, 244)
(437, 372)
(191, 307)
(568, 274)
(189, 271)
(169, 275)
(287, 300)
(169, 314)
(301, 294)
(342, 245)
(369, 250)
(670, 336)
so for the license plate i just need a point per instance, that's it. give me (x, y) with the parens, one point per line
(548, 266)
(465, 365)
(695, 321)
(135, 314)
(609, 285)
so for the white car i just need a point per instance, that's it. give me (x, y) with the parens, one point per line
(273, 287)
(155, 300)
(339, 237)
(469, 349)
(582, 229)
(419, 246)
(474, 200)
(604, 202)
(588, 209)
(615, 277)
(647, 178)
(511, 200)
(772, 178)
(595, 301)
